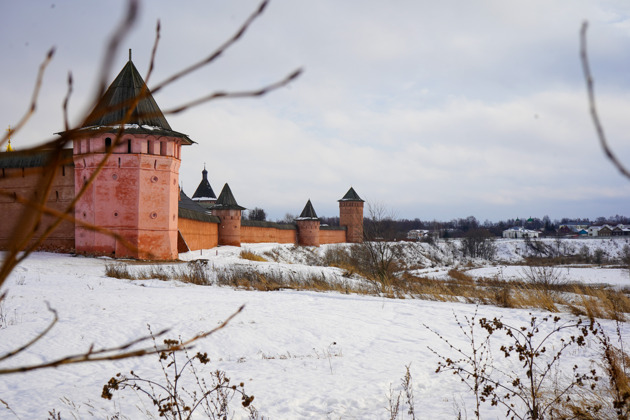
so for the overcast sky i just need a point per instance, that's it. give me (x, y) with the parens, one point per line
(435, 109)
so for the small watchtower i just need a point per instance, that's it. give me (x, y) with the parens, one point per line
(135, 193)
(229, 212)
(351, 216)
(308, 226)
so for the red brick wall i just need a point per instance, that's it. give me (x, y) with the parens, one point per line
(199, 235)
(336, 236)
(15, 217)
(257, 234)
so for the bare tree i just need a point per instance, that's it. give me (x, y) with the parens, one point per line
(478, 243)
(288, 219)
(378, 254)
(29, 238)
(257, 214)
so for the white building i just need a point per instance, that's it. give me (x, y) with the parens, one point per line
(518, 232)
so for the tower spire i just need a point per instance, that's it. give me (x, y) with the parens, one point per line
(9, 148)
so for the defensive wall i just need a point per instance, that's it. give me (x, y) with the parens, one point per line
(117, 191)
(21, 176)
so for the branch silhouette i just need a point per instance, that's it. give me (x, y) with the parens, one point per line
(20, 246)
(590, 87)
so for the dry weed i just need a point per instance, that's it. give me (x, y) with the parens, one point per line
(252, 256)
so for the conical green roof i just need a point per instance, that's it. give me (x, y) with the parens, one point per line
(146, 118)
(226, 200)
(308, 213)
(351, 195)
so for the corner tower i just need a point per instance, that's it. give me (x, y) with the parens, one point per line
(133, 197)
(351, 216)
(229, 212)
(308, 226)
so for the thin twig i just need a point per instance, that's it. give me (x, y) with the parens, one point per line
(593, 107)
(35, 339)
(112, 46)
(33, 105)
(64, 217)
(243, 94)
(153, 53)
(212, 331)
(218, 52)
(66, 100)
(119, 352)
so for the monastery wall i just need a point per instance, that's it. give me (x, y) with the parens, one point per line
(199, 234)
(332, 235)
(257, 232)
(22, 181)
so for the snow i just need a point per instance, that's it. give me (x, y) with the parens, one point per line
(130, 126)
(302, 354)
(570, 274)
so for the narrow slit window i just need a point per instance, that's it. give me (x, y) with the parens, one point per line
(108, 144)
(129, 146)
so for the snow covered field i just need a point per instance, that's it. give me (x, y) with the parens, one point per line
(301, 354)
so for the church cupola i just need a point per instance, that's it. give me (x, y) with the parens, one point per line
(204, 194)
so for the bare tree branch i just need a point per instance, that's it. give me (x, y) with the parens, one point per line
(35, 339)
(593, 107)
(153, 52)
(218, 52)
(33, 105)
(244, 94)
(113, 45)
(20, 246)
(109, 353)
(66, 124)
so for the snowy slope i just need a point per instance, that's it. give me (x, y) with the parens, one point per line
(301, 354)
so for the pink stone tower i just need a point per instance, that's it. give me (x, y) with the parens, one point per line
(134, 198)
